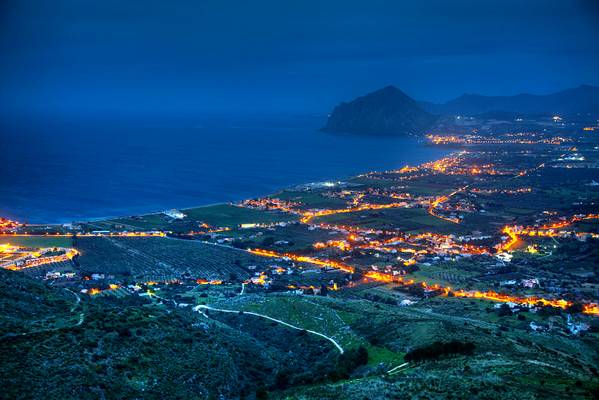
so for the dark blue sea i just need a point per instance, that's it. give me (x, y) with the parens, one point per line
(71, 169)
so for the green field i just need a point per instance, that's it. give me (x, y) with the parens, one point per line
(410, 220)
(306, 312)
(37, 241)
(311, 199)
(230, 216)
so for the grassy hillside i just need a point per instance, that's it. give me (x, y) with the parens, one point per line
(127, 348)
(27, 305)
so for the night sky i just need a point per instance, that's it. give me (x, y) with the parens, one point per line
(153, 56)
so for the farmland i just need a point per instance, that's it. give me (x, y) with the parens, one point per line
(162, 258)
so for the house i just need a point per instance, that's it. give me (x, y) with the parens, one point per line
(530, 283)
(52, 275)
(576, 328)
(536, 328)
(505, 257)
(174, 214)
(509, 304)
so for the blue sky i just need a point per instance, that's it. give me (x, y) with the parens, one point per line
(76, 56)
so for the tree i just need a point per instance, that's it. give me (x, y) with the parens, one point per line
(438, 349)
(574, 308)
(282, 379)
(362, 356)
(261, 393)
(350, 360)
(268, 241)
(504, 310)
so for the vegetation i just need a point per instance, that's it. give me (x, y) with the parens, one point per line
(162, 258)
(439, 349)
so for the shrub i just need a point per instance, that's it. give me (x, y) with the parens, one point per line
(439, 349)
(349, 361)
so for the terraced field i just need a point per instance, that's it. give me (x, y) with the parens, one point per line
(39, 271)
(163, 258)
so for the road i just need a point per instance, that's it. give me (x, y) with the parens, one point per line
(397, 369)
(330, 339)
(76, 302)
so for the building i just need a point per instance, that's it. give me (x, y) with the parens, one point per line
(174, 214)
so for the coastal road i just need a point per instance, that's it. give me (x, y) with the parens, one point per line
(330, 339)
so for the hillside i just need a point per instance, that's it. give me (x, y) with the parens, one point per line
(387, 111)
(56, 346)
(582, 99)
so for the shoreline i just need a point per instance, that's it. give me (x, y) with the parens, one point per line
(420, 142)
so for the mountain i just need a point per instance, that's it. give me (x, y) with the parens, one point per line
(387, 111)
(582, 99)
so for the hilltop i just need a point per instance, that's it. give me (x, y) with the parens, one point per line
(387, 111)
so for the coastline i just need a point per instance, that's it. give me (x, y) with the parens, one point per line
(418, 142)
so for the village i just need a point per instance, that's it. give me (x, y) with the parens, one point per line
(386, 227)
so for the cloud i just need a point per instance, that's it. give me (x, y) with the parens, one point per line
(68, 52)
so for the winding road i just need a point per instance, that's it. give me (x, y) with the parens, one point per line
(330, 339)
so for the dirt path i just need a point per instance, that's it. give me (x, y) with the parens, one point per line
(330, 339)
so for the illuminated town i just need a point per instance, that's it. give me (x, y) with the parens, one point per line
(474, 180)
(499, 236)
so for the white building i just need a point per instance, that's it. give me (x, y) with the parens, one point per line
(174, 214)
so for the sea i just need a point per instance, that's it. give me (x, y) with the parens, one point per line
(64, 169)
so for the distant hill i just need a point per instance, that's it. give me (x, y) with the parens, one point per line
(387, 111)
(582, 99)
